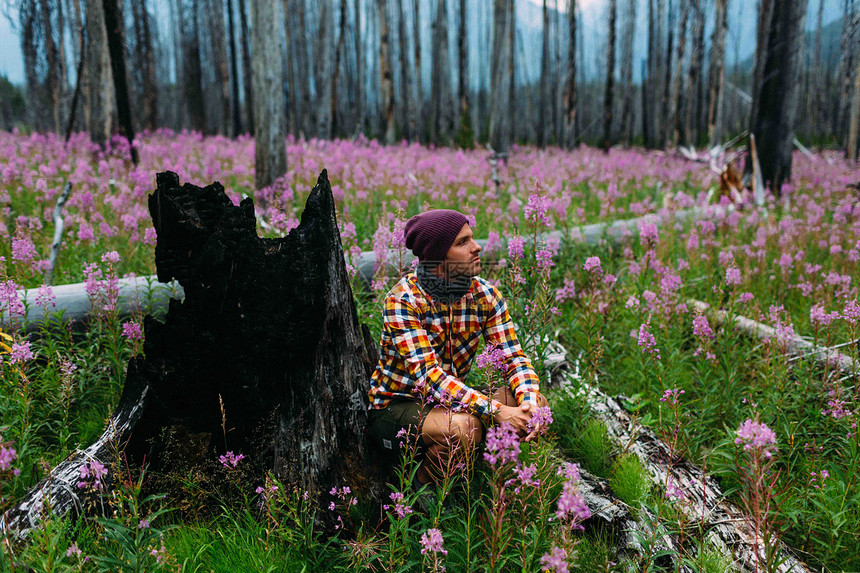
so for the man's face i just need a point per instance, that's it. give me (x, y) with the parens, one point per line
(463, 256)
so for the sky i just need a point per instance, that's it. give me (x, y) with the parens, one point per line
(743, 11)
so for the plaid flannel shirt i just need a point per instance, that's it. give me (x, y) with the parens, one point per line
(427, 347)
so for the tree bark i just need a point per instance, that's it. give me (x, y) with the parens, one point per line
(323, 68)
(215, 9)
(717, 67)
(55, 80)
(678, 99)
(264, 357)
(694, 85)
(406, 120)
(778, 93)
(247, 72)
(386, 79)
(418, 109)
(441, 123)
(101, 81)
(359, 72)
(115, 27)
(512, 71)
(465, 123)
(270, 153)
(851, 22)
(192, 82)
(610, 78)
(665, 113)
(236, 115)
(341, 38)
(853, 149)
(570, 133)
(544, 80)
(499, 112)
(648, 84)
(627, 73)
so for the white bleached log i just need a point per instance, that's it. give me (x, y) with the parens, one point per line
(796, 346)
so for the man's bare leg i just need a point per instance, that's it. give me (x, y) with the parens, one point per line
(458, 433)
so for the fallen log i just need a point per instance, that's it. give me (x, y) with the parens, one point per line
(264, 357)
(729, 529)
(73, 303)
(795, 346)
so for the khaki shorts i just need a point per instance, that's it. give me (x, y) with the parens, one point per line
(384, 424)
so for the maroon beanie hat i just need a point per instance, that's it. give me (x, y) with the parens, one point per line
(430, 234)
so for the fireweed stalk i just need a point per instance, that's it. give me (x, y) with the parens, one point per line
(755, 465)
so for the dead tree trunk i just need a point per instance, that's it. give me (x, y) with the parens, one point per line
(192, 82)
(236, 115)
(359, 71)
(610, 78)
(405, 119)
(100, 81)
(215, 8)
(418, 108)
(246, 66)
(341, 38)
(777, 94)
(499, 112)
(627, 73)
(465, 132)
(385, 77)
(853, 150)
(693, 113)
(442, 107)
(715, 82)
(116, 47)
(570, 81)
(270, 152)
(677, 94)
(268, 329)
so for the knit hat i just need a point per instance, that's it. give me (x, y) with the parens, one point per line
(431, 234)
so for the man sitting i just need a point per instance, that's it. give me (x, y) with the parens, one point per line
(432, 322)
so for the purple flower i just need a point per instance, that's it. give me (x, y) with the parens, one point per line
(672, 395)
(754, 435)
(851, 312)
(701, 328)
(493, 357)
(674, 492)
(73, 550)
(733, 276)
(149, 236)
(23, 250)
(7, 456)
(111, 257)
(21, 353)
(647, 342)
(544, 259)
(555, 561)
(431, 542)
(571, 504)
(537, 210)
(143, 524)
(229, 460)
(503, 445)
(399, 508)
(526, 476)
(45, 297)
(820, 319)
(131, 330)
(592, 265)
(516, 246)
(649, 236)
(542, 418)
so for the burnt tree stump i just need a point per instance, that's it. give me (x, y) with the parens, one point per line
(268, 328)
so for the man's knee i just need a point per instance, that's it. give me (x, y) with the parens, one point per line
(465, 431)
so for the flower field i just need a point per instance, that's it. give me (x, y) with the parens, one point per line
(778, 430)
